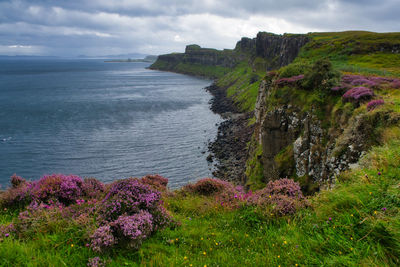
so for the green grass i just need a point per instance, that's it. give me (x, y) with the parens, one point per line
(355, 51)
(364, 229)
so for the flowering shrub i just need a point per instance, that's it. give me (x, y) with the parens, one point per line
(357, 94)
(128, 196)
(291, 80)
(209, 186)
(363, 81)
(96, 262)
(124, 212)
(6, 230)
(156, 182)
(133, 229)
(284, 196)
(102, 239)
(16, 180)
(340, 88)
(374, 103)
(17, 196)
(396, 84)
(92, 187)
(66, 189)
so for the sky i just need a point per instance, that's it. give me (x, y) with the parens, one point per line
(109, 27)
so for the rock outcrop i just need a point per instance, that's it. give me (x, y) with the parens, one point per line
(312, 151)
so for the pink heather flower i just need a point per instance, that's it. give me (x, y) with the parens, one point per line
(374, 103)
(330, 218)
(358, 93)
(7, 235)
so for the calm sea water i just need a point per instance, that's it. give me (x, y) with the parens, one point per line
(103, 120)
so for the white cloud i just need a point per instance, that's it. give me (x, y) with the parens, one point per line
(162, 26)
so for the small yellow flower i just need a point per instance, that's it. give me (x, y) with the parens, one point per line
(296, 264)
(216, 243)
(284, 242)
(279, 256)
(270, 196)
(375, 212)
(351, 249)
(72, 245)
(351, 215)
(247, 235)
(201, 238)
(340, 252)
(185, 258)
(370, 193)
(190, 264)
(351, 238)
(205, 265)
(204, 253)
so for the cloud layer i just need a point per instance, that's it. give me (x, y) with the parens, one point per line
(70, 28)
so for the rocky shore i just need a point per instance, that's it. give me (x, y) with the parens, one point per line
(229, 151)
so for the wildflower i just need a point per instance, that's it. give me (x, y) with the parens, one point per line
(375, 212)
(370, 193)
(285, 242)
(185, 258)
(384, 209)
(7, 235)
(330, 219)
(379, 173)
(279, 256)
(351, 215)
(72, 245)
(204, 253)
(216, 243)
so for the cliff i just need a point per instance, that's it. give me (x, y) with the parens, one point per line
(296, 128)
(198, 61)
(272, 50)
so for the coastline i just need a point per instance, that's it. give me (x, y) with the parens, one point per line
(228, 152)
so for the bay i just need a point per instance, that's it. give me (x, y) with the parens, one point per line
(103, 120)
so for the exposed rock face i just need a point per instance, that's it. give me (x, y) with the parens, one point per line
(195, 55)
(318, 153)
(279, 49)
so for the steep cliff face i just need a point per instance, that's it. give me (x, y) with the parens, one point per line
(277, 50)
(198, 61)
(280, 50)
(296, 143)
(274, 50)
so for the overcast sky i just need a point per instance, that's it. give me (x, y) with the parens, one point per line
(103, 27)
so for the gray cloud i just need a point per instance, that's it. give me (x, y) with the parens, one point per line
(73, 27)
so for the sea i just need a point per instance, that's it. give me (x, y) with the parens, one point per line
(104, 120)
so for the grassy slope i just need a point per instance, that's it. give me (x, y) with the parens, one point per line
(364, 211)
(355, 51)
(360, 232)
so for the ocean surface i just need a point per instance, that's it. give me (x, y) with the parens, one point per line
(103, 120)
